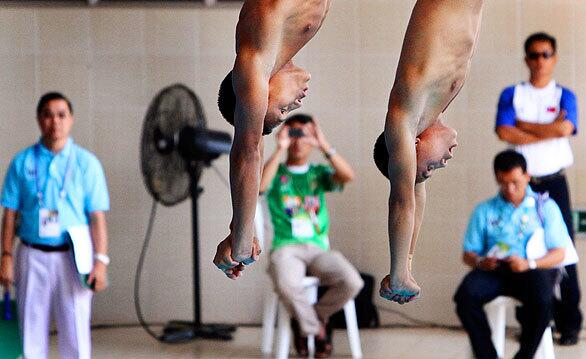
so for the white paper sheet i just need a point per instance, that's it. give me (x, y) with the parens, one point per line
(536, 248)
(83, 248)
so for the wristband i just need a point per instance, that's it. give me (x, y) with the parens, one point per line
(477, 260)
(102, 258)
(329, 153)
(532, 264)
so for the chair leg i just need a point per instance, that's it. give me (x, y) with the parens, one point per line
(311, 293)
(268, 322)
(311, 345)
(352, 329)
(545, 349)
(496, 314)
(283, 333)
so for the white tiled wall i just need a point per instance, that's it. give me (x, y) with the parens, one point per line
(112, 60)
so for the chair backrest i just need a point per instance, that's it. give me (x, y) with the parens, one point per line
(263, 224)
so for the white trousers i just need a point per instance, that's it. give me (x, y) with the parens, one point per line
(47, 285)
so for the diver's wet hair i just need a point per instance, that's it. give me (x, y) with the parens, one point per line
(381, 155)
(227, 99)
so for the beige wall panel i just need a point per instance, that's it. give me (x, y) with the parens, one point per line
(112, 61)
(118, 81)
(382, 25)
(338, 35)
(505, 41)
(376, 76)
(117, 31)
(172, 31)
(19, 34)
(539, 15)
(163, 71)
(217, 35)
(18, 85)
(64, 31)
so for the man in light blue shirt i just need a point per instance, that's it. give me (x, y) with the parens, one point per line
(495, 248)
(50, 187)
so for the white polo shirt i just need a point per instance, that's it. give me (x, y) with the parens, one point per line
(540, 105)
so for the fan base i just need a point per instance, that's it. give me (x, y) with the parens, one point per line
(178, 331)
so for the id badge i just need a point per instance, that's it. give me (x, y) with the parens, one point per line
(49, 223)
(302, 227)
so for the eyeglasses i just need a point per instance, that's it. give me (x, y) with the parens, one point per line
(535, 55)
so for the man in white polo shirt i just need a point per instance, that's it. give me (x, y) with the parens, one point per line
(537, 117)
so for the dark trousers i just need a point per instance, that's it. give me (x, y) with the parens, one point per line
(534, 289)
(567, 315)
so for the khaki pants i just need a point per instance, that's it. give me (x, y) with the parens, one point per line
(290, 264)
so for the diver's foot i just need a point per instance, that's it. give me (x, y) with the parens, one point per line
(399, 291)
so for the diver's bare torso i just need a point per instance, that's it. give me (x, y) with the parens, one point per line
(301, 19)
(436, 54)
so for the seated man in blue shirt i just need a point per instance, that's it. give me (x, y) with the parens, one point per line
(495, 248)
(537, 118)
(50, 187)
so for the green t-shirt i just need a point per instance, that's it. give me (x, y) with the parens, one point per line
(298, 206)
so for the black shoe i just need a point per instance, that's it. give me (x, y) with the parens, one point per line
(299, 340)
(323, 346)
(568, 339)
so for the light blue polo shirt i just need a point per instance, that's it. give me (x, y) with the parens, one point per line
(498, 222)
(85, 189)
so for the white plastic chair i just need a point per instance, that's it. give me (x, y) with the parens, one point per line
(496, 313)
(271, 305)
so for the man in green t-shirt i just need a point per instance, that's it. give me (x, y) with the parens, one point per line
(295, 192)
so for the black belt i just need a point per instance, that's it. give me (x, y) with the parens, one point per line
(62, 248)
(546, 178)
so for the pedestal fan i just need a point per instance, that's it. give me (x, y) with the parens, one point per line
(175, 148)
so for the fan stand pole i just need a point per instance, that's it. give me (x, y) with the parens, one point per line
(181, 331)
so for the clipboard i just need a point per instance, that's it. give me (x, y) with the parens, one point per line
(536, 248)
(82, 251)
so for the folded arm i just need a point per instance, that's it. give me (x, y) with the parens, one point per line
(515, 135)
(560, 127)
(527, 132)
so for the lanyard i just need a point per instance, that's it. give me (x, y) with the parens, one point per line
(62, 192)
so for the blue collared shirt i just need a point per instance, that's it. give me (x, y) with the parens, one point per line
(498, 222)
(85, 189)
